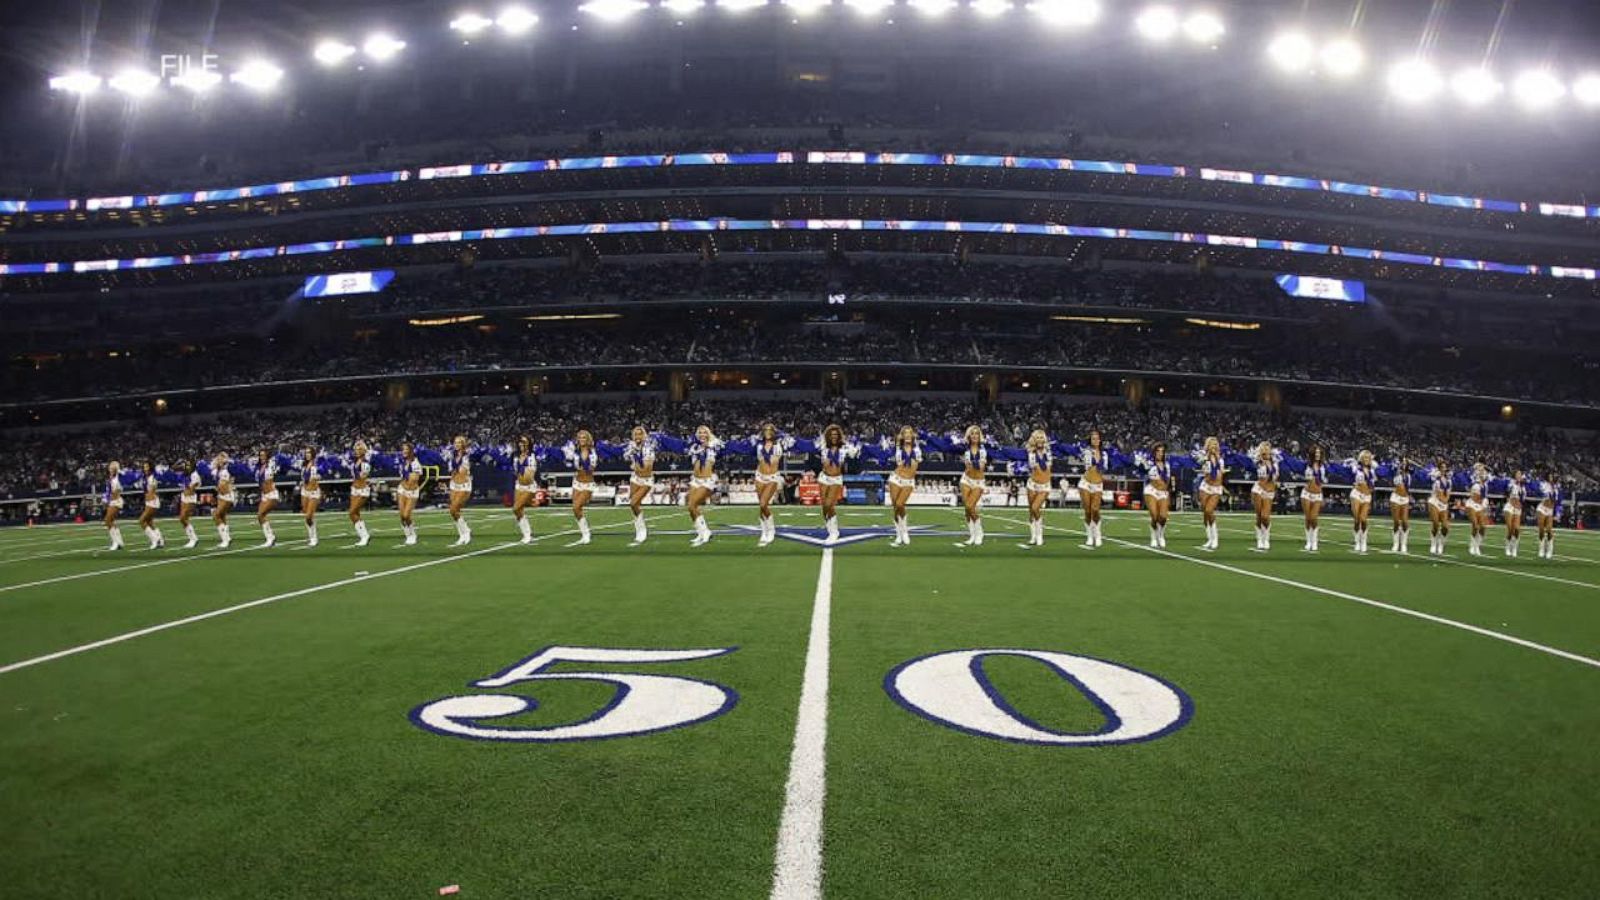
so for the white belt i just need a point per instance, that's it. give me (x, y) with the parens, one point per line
(975, 484)
(361, 492)
(707, 484)
(900, 482)
(461, 487)
(526, 488)
(1035, 487)
(773, 478)
(1311, 496)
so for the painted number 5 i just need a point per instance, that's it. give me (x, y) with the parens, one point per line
(641, 704)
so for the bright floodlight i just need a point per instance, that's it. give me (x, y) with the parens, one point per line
(516, 20)
(932, 8)
(1587, 89)
(1291, 52)
(258, 75)
(470, 23)
(1414, 81)
(198, 80)
(1158, 23)
(683, 7)
(332, 53)
(740, 5)
(134, 82)
(1475, 87)
(991, 8)
(869, 7)
(1066, 13)
(1538, 89)
(76, 83)
(381, 47)
(1342, 57)
(1203, 28)
(806, 7)
(612, 10)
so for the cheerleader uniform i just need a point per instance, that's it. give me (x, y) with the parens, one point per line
(583, 466)
(113, 500)
(904, 459)
(641, 463)
(190, 496)
(1157, 474)
(770, 457)
(1211, 473)
(225, 494)
(1478, 502)
(310, 489)
(266, 477)
(360, 472)
(1095, 464)
(979, 460)
(1316, 477)
(1039, 466)
(410, 470)
(525, 469)
(1513, 512)
(1400, 496)
(1549, 496)
(461, 483)
(152, 501)
(834, 458)
(704, 458)
(1266, 487)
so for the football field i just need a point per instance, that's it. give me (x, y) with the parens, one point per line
(863, 721)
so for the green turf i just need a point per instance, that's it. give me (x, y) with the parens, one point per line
(1335, 748)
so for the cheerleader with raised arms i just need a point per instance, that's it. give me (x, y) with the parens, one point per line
(360, 490)
(460, 459)
(584, 459)
(227, 496)
(641, 457)
(974, 460)
(1549, 497)
(1158, 494)
(188, 499)
(1040, 465)
(1091, 488)
(903, 481)
(113, 501)
(1516, 490)
(1478, 508)
(408, 491)
(769, 478)
(1363, 475)
(310, 493)
(525, 478)
(1212, 471)
(152, 505)
(1400, 509)
(1263, 492)
(1312, 498)
(267, 480)
(702, 480)
(835, 450)
(1439, 507)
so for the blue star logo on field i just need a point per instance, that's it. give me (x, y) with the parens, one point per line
(818, 537)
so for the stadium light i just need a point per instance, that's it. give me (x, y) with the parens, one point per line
(869, 8)
(1587, 89)
(738, 6)
(1157, 23)
(1204, 28)
(612, 10)
(1538, 89)
(332, 53)
(933, 9)
(134, 82)
(807, 7)
(258, 75)
(82, 83)
(683, 7)
(516, 20)
(991, 8)
(1414, 81)
(382, 48)
(1342, 57)
(1291, 52)
(1066, 13)
(1475, 87)
(470, 23)
(198, 80)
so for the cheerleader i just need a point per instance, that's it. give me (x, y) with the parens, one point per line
(1262, 494)
(1212, 471)
(769, 459)
(360, 490)
(1091, 487)
(1516, 489)
(525, 471)
(702, 480)
(1363, 475)
(152, 505)
(188, 499)
(1478, 508)
(974, 459)
(903, 480)
(267, 479)
(1311, 498)
(1549, 496)
(1157, 493)
(583, 458)
(1400, 509)
(408, 490)
(227, 496)
(834, 453)
(641, 457)
(460, 487)
(310, 493)
(113, 498)
(1439, 507)
(1039, 466)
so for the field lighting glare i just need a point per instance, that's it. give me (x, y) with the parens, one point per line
(683, 7)
(1291, 52)
(613, 10)
(76, 83)
(737, 6)
(258, 75)
(1157, 23)
(470, 23)
(1587, 89)
(806, 7)
(198, 80)
(1475, 87)
(991, 8)
(134, 82)
(1414, 81)
(869, 7)
(933, 9)
(1342, 57)
(1538, 89)
(332, 53)
(1203, 28)
(381, 47)
(1066, 13)
(516, 20)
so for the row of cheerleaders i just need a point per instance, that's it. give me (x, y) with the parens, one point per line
(1408, 484)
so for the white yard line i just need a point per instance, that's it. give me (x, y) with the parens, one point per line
(797, 862)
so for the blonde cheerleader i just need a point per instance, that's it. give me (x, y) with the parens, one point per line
(1363, 475)
(835, 450)
(460, 458)
(267, 479)
(408, 490)
(1312, 498)
(113, 499)
(227, 496)
(584, 459)
(1212, 471)
(525, 471)
(188, 499)
(1400, 509)
(1158, 493)
(641, 457)
(1549, 496)
(152, 505)
(1091, 487)
(1478, 508)
(1439, 507)
(310, 493)
(1040, 463)
(903, 481)
(702, 480)
(769, 478)
(1516, 490)
(360, 490)
(1262, 493)
(974, 460)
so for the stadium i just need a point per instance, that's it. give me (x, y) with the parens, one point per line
(799, 448)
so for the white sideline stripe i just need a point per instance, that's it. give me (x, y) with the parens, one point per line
(20, 559)
(1429, 617)
(797, 862)
(95, 529)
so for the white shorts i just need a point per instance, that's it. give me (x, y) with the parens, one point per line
(648, 483)
(971, 484)
(830, 480)
(115, 504)
(1263, 493)
(1214, 490)
(1035, 487)
(1155, 493)
(526, 488)
(269, 495)
(774, 478)
(704, 484)
(188, 499)
(899, 482)
(461, 487)
(228, 498)
(1310, 497)
(408, 493)
(360, 492)
(153, 504)
(582, 487)
(1477, 505)
(1547, 511)
(1512, 512)
(1358, 497)
(1440, 505)
(1397, 500)
(311, 495)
